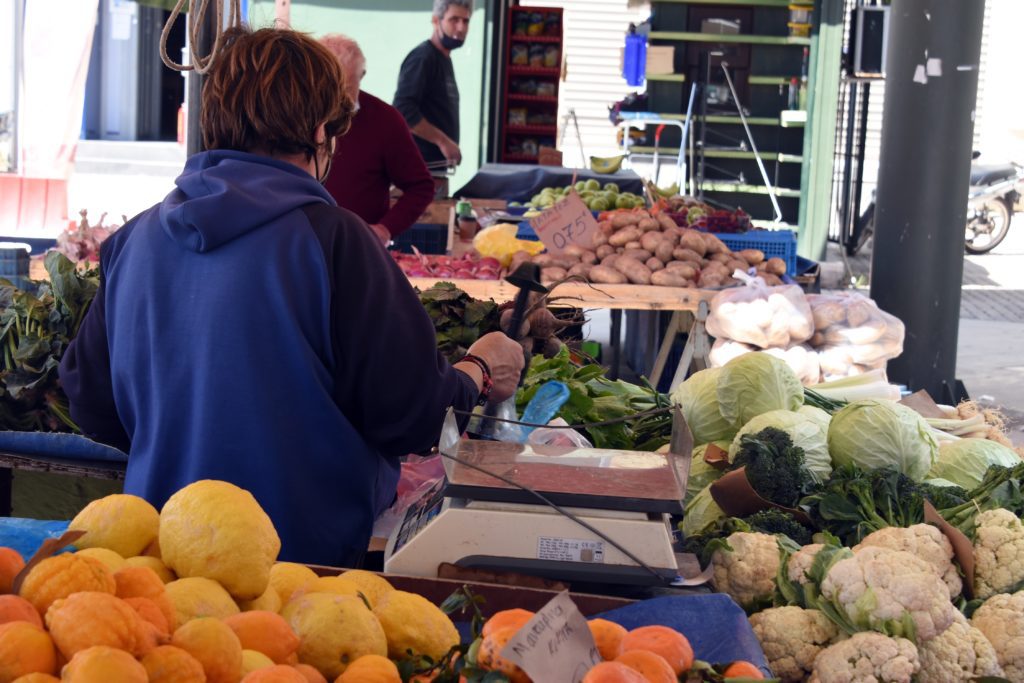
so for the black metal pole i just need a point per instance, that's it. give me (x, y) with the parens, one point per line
(927, 127)
(193, 134)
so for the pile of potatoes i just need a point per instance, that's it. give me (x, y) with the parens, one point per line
(637, 248)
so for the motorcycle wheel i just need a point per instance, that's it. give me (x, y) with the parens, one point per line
(992, 220)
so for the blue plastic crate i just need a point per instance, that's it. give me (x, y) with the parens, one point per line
(429, 238)
(781, 243)
(525, 232)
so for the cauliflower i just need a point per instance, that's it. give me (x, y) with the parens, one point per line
(747, 573)
(890, 591)
(924, 541)
(998, 552)
(867, 658)
(791, 638)
(958, 655)
(1001, 620)
(800, 563)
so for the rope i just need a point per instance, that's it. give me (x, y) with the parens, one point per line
(196, 19)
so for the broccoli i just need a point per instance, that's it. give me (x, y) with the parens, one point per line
(775, 521)
(943, 497)
(1000, 488)
(774, 466)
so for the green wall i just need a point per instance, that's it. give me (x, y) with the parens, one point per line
(386, 32)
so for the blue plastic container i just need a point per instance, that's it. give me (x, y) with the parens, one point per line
(634, 59)
(780, 243)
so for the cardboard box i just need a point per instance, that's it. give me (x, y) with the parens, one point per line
(660, 60)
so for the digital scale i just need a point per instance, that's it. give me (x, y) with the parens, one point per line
(475, 521)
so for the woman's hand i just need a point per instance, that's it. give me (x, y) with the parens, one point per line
(505, 359)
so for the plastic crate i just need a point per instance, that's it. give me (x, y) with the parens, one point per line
(781, 243)
(525, 232)
(429, 238)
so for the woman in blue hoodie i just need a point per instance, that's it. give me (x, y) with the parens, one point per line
(248, 329)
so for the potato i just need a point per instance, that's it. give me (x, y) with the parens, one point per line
(635, 271)
(606, 227)
(666, 223)
(714, 245)
(599, 240)
(621, 220)
(664, 250)
(694, 241)
(721, 258)
(606, 275)
(683, 268)
(573, 251)
(648, 224)
(737, 264)
(518, 259)
(553, 261)
(716, 267)
(624, 236)
(604, 251)
(776, 266)
(817, 340)
(581, 270)
(752, 256)
(654, 264)
(588, 258)
(684, 254)
(650, 241)
(610, 260)
(639, 254)
(553, 274)
(772, 280)
(635, 244)
(669, 278)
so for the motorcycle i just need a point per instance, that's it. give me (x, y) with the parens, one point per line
(995, 194)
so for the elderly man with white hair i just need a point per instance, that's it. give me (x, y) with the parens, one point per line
(377, 152)
(427, 94)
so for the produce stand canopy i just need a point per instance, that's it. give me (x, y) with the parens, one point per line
(519, 182)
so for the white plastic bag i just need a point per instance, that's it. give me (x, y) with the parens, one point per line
(852, 335)
(801, 358)
(546, 436)
(760, 315)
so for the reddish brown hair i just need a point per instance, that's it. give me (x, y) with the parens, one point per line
(269, 90)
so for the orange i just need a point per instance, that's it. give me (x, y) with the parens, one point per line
(14, 608)
(742, 669)
(148, 610)
(506, 618)
(311, 674)
(370, 669)
(169, 664)
(608, 636)
(88, 619)
(489, 656)
(61, 575)
(101, 664)
(37, 678)
(662, 640)
(11, 564)
(215, 645)
(265, 632)
(651, 666)
(279, 673)
(25, 649)
(613, 672)
(143, 582)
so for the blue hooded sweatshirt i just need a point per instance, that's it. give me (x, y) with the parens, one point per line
(247, 329)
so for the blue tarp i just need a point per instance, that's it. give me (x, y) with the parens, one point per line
(26, 535)
(519, 182)
(58, 447)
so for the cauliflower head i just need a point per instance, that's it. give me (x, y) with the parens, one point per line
(791, 638)
(890, 591)
(867, 658)
(800, 563)
(957, 655)
(1001, 620)
(747, 573)
(924, 541)
(998, 552)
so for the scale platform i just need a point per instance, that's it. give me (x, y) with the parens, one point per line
(476, 521)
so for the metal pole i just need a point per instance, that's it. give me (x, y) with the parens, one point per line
(194, 83)
(933, 56)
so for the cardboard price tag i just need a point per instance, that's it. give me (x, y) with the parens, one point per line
(567, 223)
(556, 645)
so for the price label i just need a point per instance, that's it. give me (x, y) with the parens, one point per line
(569, 222)
(556, 645)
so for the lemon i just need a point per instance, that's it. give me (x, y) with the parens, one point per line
(335, 585)
(197, 597)
(334, 631)
(370, 585)
(411, 622)
(287, 577)
(122, 523)
(154, 563)
(113, 561)
(270, 601)
(218, 531)
(252, 660)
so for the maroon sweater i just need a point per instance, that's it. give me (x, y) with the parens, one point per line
(377, 152)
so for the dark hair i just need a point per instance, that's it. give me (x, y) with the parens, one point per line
(269, 90)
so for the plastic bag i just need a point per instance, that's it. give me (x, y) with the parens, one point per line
(419, 474)
(852, 335)
(761, 315)
(546, 436)
(500, 242)
(801, 358)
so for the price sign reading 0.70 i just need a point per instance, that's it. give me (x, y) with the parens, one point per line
(569, 222)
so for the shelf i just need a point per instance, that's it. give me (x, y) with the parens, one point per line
(535, 39)
(728, 38)
(771, 80)
(534, 71)
(793, 118)
(743, 188)
(781, 157)
(727, 119)
(667, 78)
(760, 3)
(533, 130)
(537, 99)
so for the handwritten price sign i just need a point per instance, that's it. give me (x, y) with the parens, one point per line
(569, 222)
(556, 645)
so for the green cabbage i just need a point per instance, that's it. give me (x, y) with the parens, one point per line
(697, 398)
(817, 414)
(965, 462)
(938, 481)
(700, 513)
(701, 473)
(755, 383)
(805, 433)
(873, 434)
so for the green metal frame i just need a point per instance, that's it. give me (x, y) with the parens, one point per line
(728, 38)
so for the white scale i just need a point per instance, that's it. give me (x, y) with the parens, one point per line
(475, 521)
